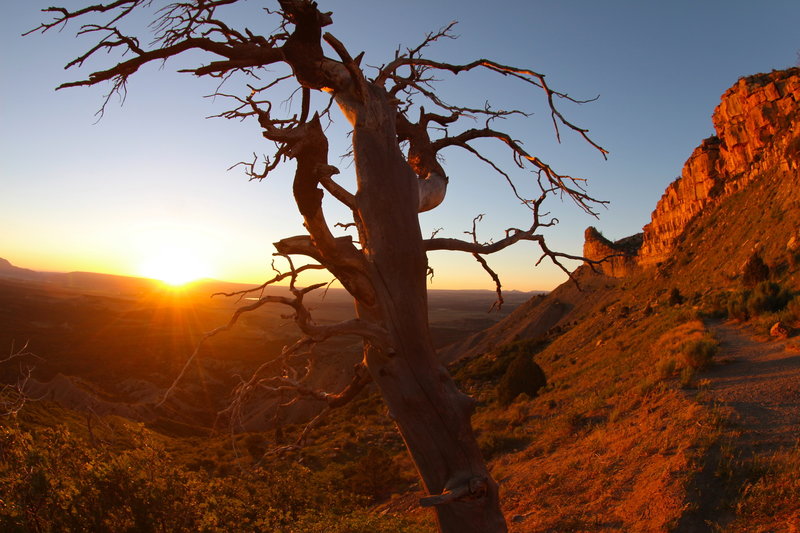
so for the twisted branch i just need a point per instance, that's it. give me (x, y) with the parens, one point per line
(13, 396)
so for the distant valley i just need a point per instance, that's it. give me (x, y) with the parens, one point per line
(113, 344)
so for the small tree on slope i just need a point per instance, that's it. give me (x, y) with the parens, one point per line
(396, 145)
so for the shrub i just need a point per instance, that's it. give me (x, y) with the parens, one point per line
(698, 354)
(768, 297)
(375, 475)
(737, 306)
(685, 349)
(666, 367)
(522, 376)
(755, 271)
(52, 480)
(687, 377)
(716, 305)
(791, 313)
(793, 258)
(675, 297)
(488, 367)
(255, 445)
(356, 523)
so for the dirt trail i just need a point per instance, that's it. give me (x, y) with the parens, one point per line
(757, 383)
(760, 382)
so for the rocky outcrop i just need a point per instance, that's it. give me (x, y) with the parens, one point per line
(683, 199)
(757, 127)
(757, 132)
(618, 259)
(759, 123)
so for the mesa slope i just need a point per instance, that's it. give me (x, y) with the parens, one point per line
(632, 422)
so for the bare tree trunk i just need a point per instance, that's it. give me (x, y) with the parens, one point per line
(431, 413)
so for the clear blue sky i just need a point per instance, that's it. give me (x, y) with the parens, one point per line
(75, 195)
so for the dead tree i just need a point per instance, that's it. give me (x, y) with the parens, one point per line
(396, 147)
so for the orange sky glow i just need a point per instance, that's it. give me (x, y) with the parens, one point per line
(146, 191)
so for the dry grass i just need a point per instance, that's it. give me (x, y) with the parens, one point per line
(770, 499)
(612, 445)
(625, 475)
(684, 350)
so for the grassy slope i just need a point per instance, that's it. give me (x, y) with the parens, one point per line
(618, 436)
(611, 443)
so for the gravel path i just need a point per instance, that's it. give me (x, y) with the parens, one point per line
(760, 382)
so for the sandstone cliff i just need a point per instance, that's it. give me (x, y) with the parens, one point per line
(683, 199)
(618, 258)
(757, 126)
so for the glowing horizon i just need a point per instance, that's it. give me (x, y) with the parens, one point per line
(83, 195)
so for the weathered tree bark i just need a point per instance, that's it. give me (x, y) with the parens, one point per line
(431, 413)
(398, 175)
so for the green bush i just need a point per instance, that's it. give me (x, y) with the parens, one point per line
(490, 367)
(316, 522)
(255, 445)
(522, 376)
(687, 377)
(793, 258)
(675, 297)
(791, 313)
(667, 367)
(375, 475)
(766, 297)
(716, 305)
(51, 480)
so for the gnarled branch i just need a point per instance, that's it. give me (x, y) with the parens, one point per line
(13, 396)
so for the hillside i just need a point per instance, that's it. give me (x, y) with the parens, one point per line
(633, 431)
(668, 406)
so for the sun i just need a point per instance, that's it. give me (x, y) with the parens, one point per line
(175, 253)
(175, 266)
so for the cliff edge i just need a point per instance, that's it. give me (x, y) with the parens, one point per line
(757, 125)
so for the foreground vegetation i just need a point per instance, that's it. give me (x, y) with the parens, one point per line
(52, 479)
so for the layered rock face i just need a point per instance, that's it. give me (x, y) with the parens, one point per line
(758, 130)
(757, 127)
(618, 259)
(683, 199)
(759, 122)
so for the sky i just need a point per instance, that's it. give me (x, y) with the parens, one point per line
(148, 184)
